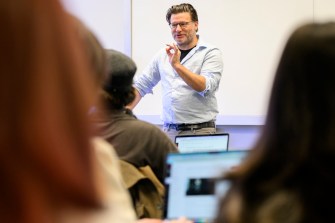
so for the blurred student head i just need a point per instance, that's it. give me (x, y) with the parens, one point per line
(118, 89)
(45, 150)
(289, 176)
(97, 60)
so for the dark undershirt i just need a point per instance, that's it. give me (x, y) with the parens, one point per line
(183, 53)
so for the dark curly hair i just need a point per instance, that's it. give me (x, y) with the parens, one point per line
(115, 99)
(117, 89)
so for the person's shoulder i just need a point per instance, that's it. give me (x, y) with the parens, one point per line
(160, 53)
(203, 43)
(159, 56)
(147, 126)
(158, 134)
(103, 149)
(151, 128)
(151, 134)
(281, 205)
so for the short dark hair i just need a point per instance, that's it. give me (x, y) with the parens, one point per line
(118, 100)
(117, 89)
(184, 7)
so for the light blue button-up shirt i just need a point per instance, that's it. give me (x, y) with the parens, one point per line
(181, 103)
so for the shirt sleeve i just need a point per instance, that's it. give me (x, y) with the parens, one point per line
(212, 70)
(148, 79)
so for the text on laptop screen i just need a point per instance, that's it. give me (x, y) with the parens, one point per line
(190, 183)
(201, 143)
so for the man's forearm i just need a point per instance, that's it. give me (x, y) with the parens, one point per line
(195, 81)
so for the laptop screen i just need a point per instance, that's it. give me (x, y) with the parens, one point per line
(202, 143)
(191, 189)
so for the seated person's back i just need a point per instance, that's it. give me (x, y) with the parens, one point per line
(137, 142)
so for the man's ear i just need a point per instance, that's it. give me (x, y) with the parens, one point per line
(196, 25)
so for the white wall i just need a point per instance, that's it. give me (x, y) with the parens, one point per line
(250, 33)
(110, 20)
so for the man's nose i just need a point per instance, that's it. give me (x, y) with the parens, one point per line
(178, 28)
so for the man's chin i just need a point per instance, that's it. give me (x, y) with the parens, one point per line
(180, 43)
(179, 40)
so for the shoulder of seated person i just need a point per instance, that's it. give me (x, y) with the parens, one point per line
(101, 146)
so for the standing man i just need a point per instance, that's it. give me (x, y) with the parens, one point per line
(190, 72)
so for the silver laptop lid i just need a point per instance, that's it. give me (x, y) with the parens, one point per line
(202, 143)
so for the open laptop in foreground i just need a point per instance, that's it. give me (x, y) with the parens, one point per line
(202, 143)
(191, 189)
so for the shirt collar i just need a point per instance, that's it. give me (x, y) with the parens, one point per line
(201, 43)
